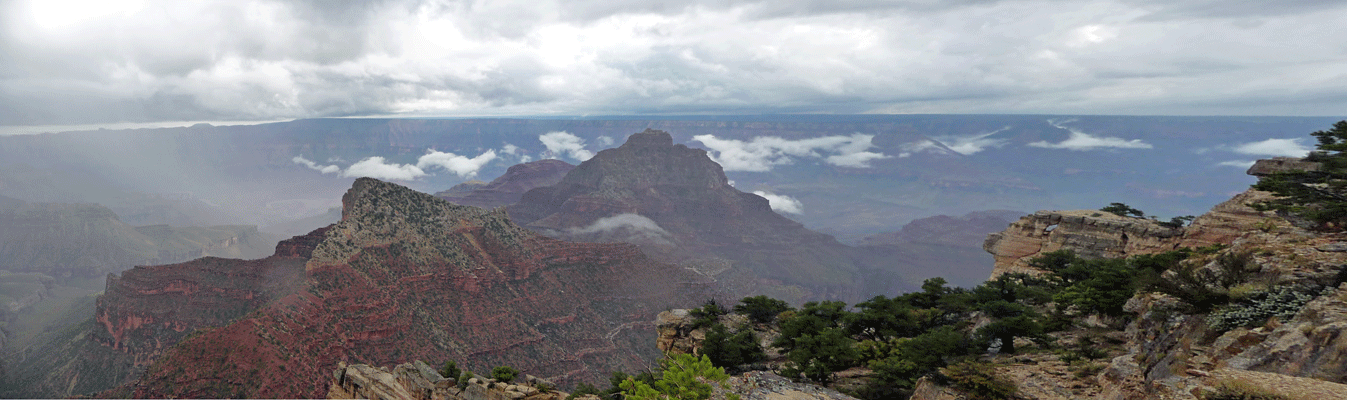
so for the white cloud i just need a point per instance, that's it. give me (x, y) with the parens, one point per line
(782, 203)
(1236, 164)
(462, 166)
(969, 145)
(627, 227)
(279, 60)
(1274, 148)
(604, 141)
(379, 168)
(509, 149)
(326, 169)
(926, 145)
(1081, 141)
(375, 167)
(562, 143)
(764, 152)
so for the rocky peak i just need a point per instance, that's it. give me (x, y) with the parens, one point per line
(403, 275)
(377, 213)
(648, 159)
(677, 203)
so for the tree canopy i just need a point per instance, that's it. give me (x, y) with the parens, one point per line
(1319, 196)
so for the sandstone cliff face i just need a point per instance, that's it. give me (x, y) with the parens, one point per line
(407, 276)
(676, 202)
(1098, 234)
(1091, 234)
(508, 188)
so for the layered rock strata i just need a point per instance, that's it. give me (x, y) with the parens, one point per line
(405, 275)
(1090, 234)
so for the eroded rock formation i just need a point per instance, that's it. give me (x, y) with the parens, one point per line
(1091, 234)
(403, 276)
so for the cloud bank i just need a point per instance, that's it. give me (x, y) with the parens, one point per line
(380, 168)
(160, 60)
(1081, 141)
(782, 203)
(764, 152)
(1274, 148)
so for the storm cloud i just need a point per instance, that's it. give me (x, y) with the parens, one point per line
(72, 62)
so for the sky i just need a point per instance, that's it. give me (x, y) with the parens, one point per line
(110, 61)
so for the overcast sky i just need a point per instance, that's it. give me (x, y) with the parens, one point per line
(68, 62)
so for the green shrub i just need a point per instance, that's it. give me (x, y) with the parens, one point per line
(504, 374)
(584, 389)
(706, 315)
(450, 370)
(761, 309)
(1317, 196)
(980, 380)
(728, 350)
(1282, 302)
(681, 378)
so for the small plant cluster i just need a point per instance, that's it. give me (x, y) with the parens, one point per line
(707, 315)
(1281, 302)
(1123, 210)
(980, 380)
(681, 377)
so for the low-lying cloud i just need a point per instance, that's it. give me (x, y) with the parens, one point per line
(562, 143)
(1081, 141)
(326, 169)
(462, 166)
(782, 203)
(626, 227)
(1274, 148)
(969, 145)
(908, 149)
(377, 168)
(380, 168)
(1236, 164)
(764, 152)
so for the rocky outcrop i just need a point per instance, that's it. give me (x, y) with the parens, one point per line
(508, 188)
(1090, 234)
(762, 385)
(678, 205)
(1311, 345)
(1232, 219)
(405, 275)
(1271, 166)
(418, 381)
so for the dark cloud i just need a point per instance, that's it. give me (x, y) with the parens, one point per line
(234, 60)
